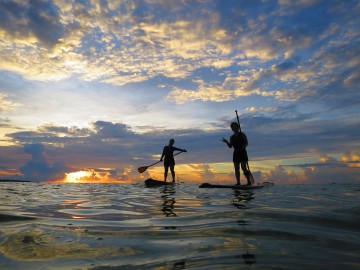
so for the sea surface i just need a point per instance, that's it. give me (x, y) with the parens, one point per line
(115, 226)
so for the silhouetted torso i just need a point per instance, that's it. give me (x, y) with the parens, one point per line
(168, 152)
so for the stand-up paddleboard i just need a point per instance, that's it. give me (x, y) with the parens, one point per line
(156, 183)
(242, 187)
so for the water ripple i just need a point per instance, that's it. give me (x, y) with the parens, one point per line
(107, 226)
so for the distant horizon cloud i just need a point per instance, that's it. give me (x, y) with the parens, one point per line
(38, 169)
(114, 141)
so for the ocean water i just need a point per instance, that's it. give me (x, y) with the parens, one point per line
(113, 226)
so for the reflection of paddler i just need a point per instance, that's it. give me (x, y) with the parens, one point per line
(241, 198)
(249, 258)
(169, 201)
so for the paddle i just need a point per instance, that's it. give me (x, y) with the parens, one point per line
(252, 180)
(144, 168)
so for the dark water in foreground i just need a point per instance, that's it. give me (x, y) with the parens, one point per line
(108, 226)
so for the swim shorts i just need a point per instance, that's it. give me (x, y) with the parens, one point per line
(240, 155)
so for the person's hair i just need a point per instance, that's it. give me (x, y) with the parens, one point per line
(234, 123)
(172, 140)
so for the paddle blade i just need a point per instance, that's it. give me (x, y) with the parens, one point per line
(252, 180)
(142, 169)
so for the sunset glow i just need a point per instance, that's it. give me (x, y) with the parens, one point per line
(92, 90)
(76, 177)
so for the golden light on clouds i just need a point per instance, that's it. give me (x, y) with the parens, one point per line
(102, 175)
(352, 159)
(142, 71)
(6, 104)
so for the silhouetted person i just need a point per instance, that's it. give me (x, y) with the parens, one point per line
(169, 161)
(239, 142)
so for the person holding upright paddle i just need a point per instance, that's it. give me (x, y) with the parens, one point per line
(239, 142)
(168, 153)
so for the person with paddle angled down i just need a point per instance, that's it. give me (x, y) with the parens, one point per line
(239, 142)
(169, 161)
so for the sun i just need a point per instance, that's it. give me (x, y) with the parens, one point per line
(74, 177)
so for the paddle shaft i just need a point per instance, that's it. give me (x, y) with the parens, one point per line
(143, 169)
(161, 160)
(237, 117)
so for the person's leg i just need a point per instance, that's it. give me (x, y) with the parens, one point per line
(172, 169)
(166, 172)
(246, 172)
(237, 172)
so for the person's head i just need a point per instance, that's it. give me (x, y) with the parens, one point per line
(171, 142)
(234, 126)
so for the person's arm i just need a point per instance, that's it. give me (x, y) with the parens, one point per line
(229, 144)
(163, 154)
(178, 149)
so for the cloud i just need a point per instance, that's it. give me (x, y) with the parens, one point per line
(95, 74)
(122, 43)
(232, 87)
(353, 157)
(98, 175)
(4, 122)
(111, 143)
(282, 176)
(108, 130)
(202, 172)
(327, 170)
(273, 135)
(6, 104)
(215, 93)
(119, 150)
(260, 109)
(38, 169)
(34, 18)
(245, 83)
